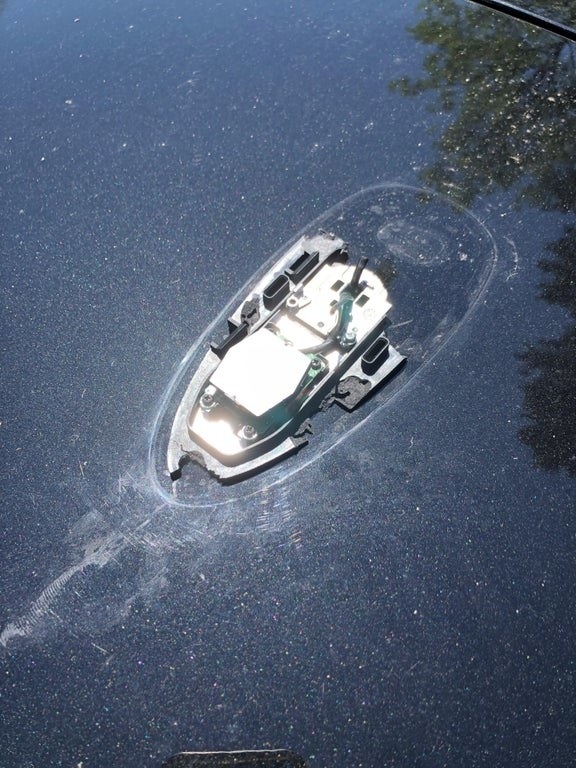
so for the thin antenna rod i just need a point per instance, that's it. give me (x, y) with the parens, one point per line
(530, 17)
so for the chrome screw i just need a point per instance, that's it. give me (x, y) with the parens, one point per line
(249, 432)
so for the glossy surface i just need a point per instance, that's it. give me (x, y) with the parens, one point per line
(407, 594)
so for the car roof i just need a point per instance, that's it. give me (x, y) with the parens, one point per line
(399, 592)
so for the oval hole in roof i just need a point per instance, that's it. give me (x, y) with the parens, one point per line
(436, 259)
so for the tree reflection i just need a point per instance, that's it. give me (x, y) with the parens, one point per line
(511, 90)
(550, 367)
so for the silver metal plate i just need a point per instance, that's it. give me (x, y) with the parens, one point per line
(260, 372)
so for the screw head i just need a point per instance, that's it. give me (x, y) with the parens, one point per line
(348, 339)
(207, 401)
(249, 432)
